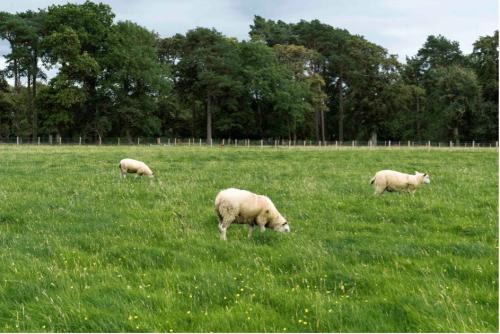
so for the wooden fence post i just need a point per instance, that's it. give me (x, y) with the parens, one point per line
(38, 140)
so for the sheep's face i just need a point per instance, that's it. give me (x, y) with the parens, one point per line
(425, 177)
(282, 226)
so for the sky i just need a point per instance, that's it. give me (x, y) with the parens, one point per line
(400, 26)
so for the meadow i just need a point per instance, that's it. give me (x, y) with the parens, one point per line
(83, 251)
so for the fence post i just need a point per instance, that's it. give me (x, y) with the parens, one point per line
(353, 143)
(138, 140)
(38, 140)
(236, 142)
(168, 141)
(211, 142)
(496, 145)
(389, 143)
(451, 143)
(17, 140)
(79, 140)
(100, 140)
(275, 144)
(200, 142)
(50, 139)
(60, 140)
(261, 143)
(175, 141)
(473, 143)
(223, 141)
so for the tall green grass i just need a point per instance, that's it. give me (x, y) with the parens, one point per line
(82, 250)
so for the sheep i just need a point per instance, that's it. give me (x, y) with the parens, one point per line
(389, 180)
(244, 207)
(134, 166)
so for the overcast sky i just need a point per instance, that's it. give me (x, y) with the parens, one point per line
(401, 26)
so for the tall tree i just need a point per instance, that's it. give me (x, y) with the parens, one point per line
(78, 42)
(484, 61)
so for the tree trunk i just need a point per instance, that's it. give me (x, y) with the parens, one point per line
(418, 118)
(259, 115)
(16, 76)
(317, 123)
(209, 120)
(374, 138)
(129, 137)
(34, 108)
(341, 110)
(322, 125)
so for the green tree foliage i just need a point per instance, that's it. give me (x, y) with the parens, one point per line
(289, 81)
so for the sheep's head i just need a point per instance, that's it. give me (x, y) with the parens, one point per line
(425, 177)
(281, 225)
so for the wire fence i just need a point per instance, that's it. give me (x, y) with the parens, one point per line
(228, 142)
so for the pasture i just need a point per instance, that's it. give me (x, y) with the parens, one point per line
(83, 251)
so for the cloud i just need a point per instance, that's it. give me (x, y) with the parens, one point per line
(401, 26)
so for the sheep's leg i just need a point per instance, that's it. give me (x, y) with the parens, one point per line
(379, 190)
(223, 227)
(261, 221)
(250, 230)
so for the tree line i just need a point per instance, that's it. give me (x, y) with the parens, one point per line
(305, 80)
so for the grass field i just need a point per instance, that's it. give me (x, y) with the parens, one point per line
(82, 250)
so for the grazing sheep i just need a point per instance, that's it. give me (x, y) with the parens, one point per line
(389, 180)
(134, 166)
(244, 207)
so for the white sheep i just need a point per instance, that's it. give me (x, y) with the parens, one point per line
(389, 180)
(134, 166)
(245, 207)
